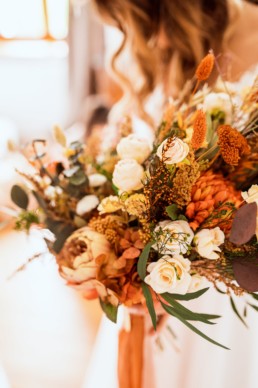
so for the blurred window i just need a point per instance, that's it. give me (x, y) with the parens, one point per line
(34, 19)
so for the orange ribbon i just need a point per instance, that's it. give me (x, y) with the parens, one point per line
(131, 354)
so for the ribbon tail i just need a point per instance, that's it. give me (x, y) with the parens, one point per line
(131, 354)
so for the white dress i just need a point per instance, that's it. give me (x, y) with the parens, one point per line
(189, 361)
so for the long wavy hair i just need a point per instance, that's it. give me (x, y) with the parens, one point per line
(188, 28)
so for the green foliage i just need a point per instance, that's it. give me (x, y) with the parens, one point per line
(149, 304)
(170, 310)
(172, 211)
(61, 231)
(142, 262)
(26, 219)
(19, 197)
(109, 310)
(233, 305)
(78, 178)
(188, 314)
(188, 296)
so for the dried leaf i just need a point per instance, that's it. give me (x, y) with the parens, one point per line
(131, 253)
(59, 136)
(124, 244)
(120, 263)
(246, 273)
(139, 244)
(244, 224)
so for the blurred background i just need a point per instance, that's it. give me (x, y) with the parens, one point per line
(52, 59)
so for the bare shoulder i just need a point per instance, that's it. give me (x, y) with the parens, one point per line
(244, 43)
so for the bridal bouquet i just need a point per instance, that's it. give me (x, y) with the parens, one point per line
(153, 223)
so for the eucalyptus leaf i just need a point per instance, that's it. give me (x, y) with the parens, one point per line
(19, 197)
(188, 296)
(40, 200)
(78, 178)
(149, 304)
(182, 217)
(237, 312)
(142, 262)
(172, 211)
(188, 314)
(172, 312)
(109, 310)
(253, 306)
(61, 237)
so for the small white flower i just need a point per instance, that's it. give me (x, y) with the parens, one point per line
(128, 175)
(198, 282)
(59, 191)
(252, 196)
(169, 274)
(134, 147)
(207, 242)
(96, 180)
(215, 102)
(173, 237)
(50, 192)
(86, 204)
(176, 153)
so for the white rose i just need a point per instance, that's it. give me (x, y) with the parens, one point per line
(173, 237)
(208, 241)
(198, 282)
(134, 147)
(169, 274)
(86, 204)
(218, 102)
(128, 175)
(176, 153)
(252, 196)
(96, 180)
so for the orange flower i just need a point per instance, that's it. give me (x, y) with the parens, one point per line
(232, 144)
(212, 199)
(199, 130)
(205, 67)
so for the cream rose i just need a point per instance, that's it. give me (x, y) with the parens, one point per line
(252, 196)
(78, 265)
(207, 242)
(215, 102)
(86, 204)
(176, 153)
(198, 282)
(128, 175)
(169, 274)
(96, 180)
(134, 147)
(173, 237)
(110, 204)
